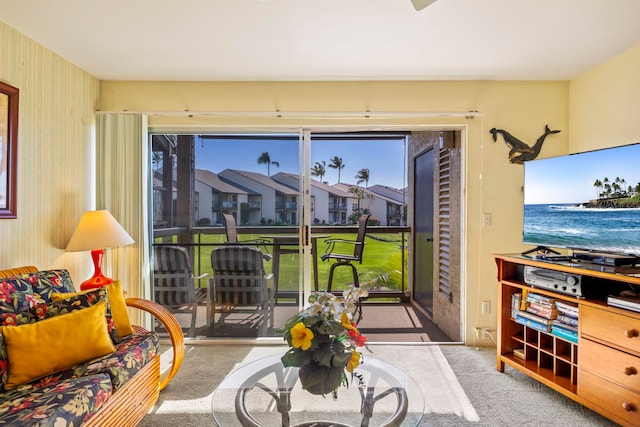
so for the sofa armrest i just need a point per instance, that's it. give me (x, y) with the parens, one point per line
(171, 325)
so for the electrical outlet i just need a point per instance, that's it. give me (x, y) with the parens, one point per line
(483, 333)
(486, 219)
(486, 333)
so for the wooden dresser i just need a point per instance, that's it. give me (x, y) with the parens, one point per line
(602, 369)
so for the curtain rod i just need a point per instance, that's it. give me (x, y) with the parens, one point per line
(306, 114)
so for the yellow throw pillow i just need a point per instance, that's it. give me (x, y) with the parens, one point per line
(119, 311)
(55, 344)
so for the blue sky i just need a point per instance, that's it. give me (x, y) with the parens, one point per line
(384, 159)
(569, 179)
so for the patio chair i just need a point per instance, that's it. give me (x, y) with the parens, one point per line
(174, 284)
(335, 251)
(232, 235)
(240, 285)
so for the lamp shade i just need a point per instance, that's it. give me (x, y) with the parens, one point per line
(98, 230)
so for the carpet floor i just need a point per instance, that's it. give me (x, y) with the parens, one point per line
(460, 385)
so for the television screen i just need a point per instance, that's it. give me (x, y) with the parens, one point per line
(586, 201)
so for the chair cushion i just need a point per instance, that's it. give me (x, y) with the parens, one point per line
(131, 355)
(55, 344)
(61, 403)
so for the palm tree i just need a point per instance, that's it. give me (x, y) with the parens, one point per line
(598, 185)
(319, 169)
(265, 158)
(363, 176)
(336, 163)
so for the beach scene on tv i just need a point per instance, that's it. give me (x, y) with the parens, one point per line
(586, 201)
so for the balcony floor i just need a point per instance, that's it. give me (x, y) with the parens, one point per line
(381, 322)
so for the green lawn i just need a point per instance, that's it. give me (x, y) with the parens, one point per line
(382, 254)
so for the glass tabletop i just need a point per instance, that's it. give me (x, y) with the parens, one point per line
(265, 393)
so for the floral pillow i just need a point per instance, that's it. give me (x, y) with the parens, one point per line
(46, 282)
(16, 301)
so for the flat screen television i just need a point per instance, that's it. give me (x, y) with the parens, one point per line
(587, 201)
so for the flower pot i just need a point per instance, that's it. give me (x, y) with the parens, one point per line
(320, 380)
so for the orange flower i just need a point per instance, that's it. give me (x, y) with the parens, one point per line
(354, 362)
(301, 336)
(346, 323)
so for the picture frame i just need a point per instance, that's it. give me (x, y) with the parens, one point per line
(9, 97)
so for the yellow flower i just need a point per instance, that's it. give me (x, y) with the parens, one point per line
(354, 362)
(346, 323)
(301, 336)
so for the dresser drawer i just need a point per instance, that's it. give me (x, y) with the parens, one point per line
(616, 366)
(618, 329)
(623, 404)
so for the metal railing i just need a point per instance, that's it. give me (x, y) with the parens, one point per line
(384, 260)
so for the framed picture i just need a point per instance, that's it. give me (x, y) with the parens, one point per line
(8, 150)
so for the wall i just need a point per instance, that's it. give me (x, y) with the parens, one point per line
(56, 140)
(55, 153)
(492, 184)
(604, 104)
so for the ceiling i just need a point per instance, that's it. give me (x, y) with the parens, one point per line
(280, 40)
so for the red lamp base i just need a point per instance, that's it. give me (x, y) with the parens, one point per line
(98, 279)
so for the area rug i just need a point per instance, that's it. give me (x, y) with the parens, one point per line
(461, 387)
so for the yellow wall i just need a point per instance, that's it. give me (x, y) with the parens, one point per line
(55, 140)
(493, 184)
(604, 104)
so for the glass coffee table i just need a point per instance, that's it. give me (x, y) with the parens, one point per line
(265, 393)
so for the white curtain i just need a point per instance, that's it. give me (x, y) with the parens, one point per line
(122, 187)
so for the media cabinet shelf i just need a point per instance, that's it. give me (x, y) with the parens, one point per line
(602, 370)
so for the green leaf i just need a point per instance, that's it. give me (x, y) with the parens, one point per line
(296, 357)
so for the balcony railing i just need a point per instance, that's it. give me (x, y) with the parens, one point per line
(384, 259)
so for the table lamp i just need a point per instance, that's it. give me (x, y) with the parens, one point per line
(97, 230)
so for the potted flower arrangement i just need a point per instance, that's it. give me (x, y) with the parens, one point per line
(324, 340)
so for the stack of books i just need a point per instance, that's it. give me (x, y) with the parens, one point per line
(539, 312)
(566, 323)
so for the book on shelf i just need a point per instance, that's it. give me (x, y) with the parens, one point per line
(564, 326)
(567, 309)
(542, 299)
(568, 320)
(535, 317)
(519, 353)
(532, 323)
(547, 311)
(628, 302)
(523, 299)
(563, 333)
(516, 299)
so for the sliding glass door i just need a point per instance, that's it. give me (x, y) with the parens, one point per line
(286, 193)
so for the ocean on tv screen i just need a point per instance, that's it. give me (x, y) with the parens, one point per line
(573, 226)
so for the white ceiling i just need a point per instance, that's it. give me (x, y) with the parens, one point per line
(329, 39)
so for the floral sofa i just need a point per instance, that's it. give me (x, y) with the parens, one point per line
(72, 358)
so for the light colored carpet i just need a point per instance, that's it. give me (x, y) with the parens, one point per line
(460, 386)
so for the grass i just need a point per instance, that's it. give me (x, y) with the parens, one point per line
(382, 255)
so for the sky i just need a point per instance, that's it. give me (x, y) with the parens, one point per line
(569, 179)
(384, 159)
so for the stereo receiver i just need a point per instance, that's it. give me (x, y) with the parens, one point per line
(557, 281)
